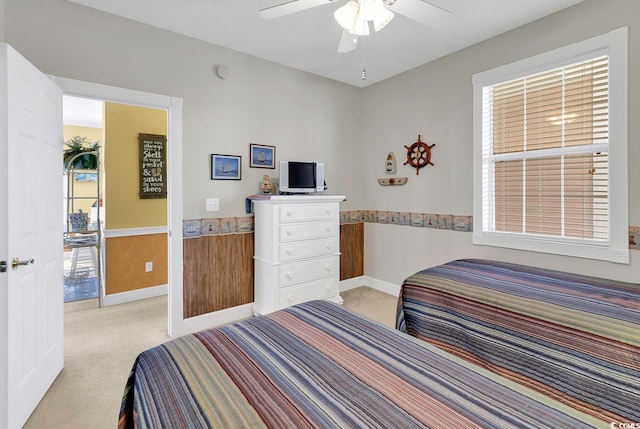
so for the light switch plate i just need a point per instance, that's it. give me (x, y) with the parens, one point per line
(212, 204)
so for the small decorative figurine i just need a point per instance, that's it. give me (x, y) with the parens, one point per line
(266, 186)
(390, 164)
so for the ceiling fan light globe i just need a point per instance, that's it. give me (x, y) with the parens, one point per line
(346, 15)
(368, 9)
(382, 18)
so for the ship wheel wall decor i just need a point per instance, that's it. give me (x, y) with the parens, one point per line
(419, 155)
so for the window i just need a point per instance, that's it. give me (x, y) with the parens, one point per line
(550, 152)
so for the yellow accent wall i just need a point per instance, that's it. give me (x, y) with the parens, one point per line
(92, 134)
(83, 189)
(123, 207)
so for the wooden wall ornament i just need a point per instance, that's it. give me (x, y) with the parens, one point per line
(393, 181)
(390, 168)
(419, 154)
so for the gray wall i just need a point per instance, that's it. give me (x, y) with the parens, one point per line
(306, 117)
(435, 100)
(1, 20)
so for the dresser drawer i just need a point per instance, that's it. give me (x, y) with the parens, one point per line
(307, 249)
(297, 213)
(306, 271)
(302, 231)
(307, 292)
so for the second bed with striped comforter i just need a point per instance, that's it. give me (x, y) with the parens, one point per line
(571, 337)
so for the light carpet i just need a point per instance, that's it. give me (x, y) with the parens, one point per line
(101, 345)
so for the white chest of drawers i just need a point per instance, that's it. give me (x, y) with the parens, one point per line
(297, 251)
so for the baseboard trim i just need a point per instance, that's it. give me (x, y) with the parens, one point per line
(130, 232)
(386, 287)
(135, 295)
(380, 285)
(245, 311)
(354, 282)
(220, 317)
(233, 314)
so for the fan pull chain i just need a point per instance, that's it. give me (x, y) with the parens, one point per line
(364, 59)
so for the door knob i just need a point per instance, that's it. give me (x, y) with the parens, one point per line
(15, 263)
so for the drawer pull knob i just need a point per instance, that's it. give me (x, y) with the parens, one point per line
(290, 276)
(328, 229)
(328, 288)
(289, 213)
(328, 246)
(329, 268)
(288, 252)
(289, 233)
(290, 298)
(328, 212)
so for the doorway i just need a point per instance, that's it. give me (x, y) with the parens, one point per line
(173, 108)
(83, 213)
(127, 236)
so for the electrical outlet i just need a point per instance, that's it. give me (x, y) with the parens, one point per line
(212, 204)
(148, 267)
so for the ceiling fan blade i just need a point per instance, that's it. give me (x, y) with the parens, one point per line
(420, 11)
(290, 7)
(348, 42)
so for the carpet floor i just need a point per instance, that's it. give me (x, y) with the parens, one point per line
(101, 345)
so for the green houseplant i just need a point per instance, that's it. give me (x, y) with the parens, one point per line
(80, 145)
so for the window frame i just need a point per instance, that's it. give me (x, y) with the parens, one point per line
(614, 44)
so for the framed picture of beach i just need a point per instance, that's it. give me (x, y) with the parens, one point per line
(226, 167)
(262, 156)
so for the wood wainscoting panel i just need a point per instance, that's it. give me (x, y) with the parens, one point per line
(218, 273)
(352, 250)
(125, 259)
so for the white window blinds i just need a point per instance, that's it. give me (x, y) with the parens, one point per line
(545, 145)
(550, 151)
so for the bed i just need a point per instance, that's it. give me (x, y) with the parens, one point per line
(319, 365)
(570, 337)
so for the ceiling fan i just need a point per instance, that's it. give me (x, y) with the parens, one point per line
(355, 15)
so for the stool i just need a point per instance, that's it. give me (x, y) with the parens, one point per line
(82, 255)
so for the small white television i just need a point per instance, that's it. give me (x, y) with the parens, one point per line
(297, 177)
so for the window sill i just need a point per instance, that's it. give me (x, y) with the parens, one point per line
(593, 250)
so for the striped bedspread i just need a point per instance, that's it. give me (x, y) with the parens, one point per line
(574, 338)
(317, 365)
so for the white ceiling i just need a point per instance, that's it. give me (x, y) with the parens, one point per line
(81, 112)
(308, 40)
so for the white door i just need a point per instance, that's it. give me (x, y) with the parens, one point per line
(30, 201)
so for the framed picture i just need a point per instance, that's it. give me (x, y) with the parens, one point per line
(226, 167)
(262, 156)
(86, 177)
